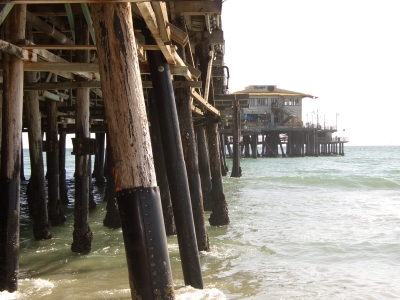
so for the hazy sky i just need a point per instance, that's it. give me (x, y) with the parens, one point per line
(345, 52)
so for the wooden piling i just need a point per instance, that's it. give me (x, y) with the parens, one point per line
(236, 170)
(56, 216)
(82, 235)
(204, 167)
(98, 170)
(63, 172)
(112, 218)
(176, 167)
(219, 214)
(254, 145)
(36, 192)
(138, 196)
(13, 75)
(192, 168)
(224, 167)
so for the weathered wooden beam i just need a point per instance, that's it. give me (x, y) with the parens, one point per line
(95, 84)
(70, 67)
(16, 51)
(203, 102)
(178, 35)
(197, 110)
(60, 47)
(81, 68)
(149, 17)
(209, 73)
(4, 12)
(160, 10)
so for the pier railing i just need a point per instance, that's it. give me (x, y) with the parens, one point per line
(333, 139)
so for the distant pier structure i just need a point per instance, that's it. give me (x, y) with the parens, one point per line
(272, 117)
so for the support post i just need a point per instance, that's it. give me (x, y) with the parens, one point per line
(53, 173)
(176, 168)
(138, 195)
(13, 80)
(192, 168)
(82, 235)
(159, 164)
(254, 145)
(63, 172)
(204, 167)
(112, 218)
(219, 215)
(236, 170)
(37, 187)
(98, 170)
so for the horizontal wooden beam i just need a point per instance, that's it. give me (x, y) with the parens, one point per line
(60, 47)
(16, 51)
(203, 102)
(95, 84)
(92, 67)
(53, 66)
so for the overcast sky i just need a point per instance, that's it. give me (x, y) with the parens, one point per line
(347, 53)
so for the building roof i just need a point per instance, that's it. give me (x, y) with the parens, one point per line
(271, 90)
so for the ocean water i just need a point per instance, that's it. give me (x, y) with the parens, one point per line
(301, 228)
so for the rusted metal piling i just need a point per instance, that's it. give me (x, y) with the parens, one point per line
(176, 168)
(159, 164)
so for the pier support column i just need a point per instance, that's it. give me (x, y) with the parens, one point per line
(204, 167)
(138, 196)
(112, 218)
(82, 235)
(98, 169)
(236, 170)
(159, 164)
(183, 105)
(13, 81)
(63, 172)
(228, 145)
(176, 167)
(246, 143)
(254, 145)
(56, 216)
(224, 167)
(219, 215)
(37, 186)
